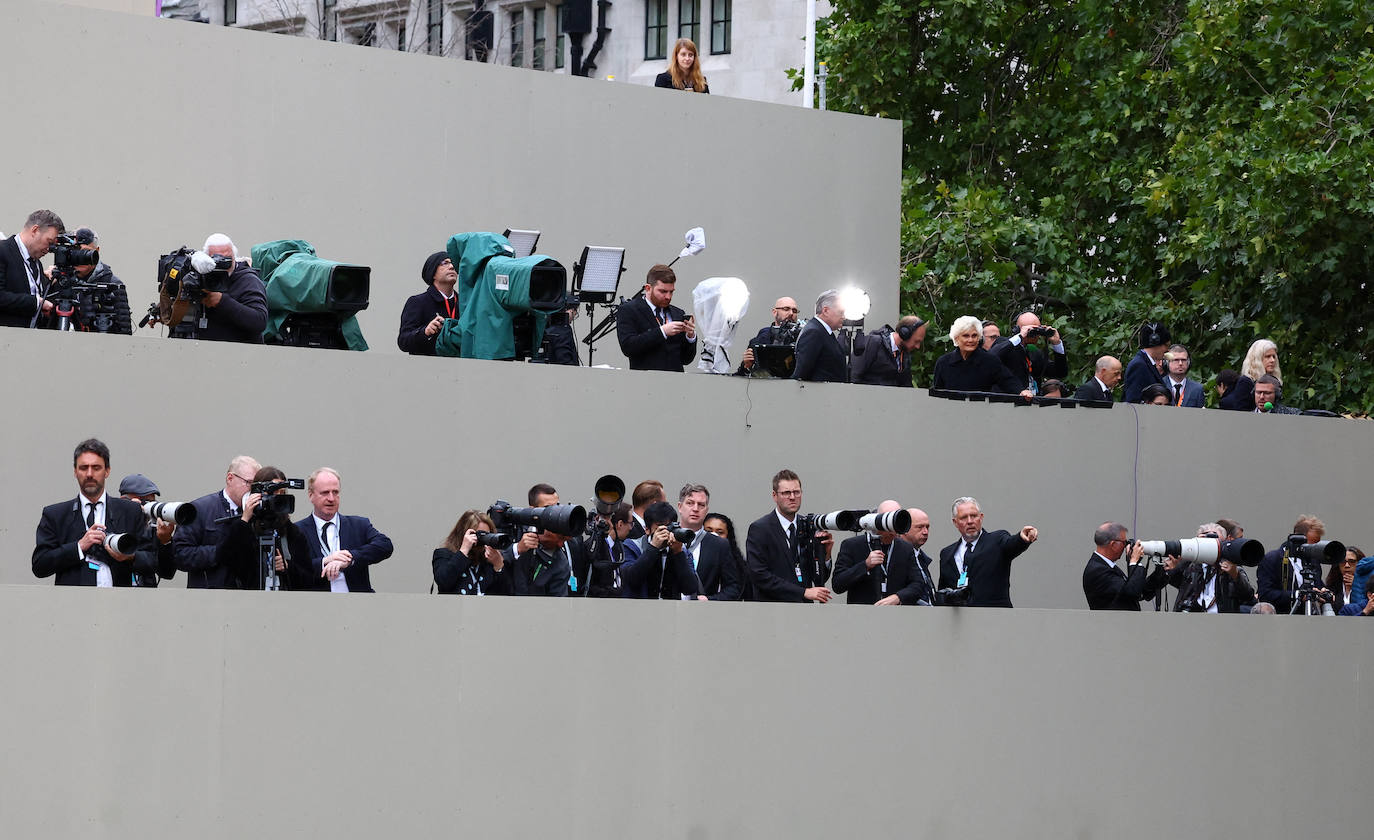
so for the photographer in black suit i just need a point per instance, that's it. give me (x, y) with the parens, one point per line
(784, 324)
(22, 283)
(883, 357)
(70, 542)
(783, 564)
(879, 569)
(820, 358)
(654, 334)
(981, 560)
(154, 562)
(1104, 584)
(1026, 361)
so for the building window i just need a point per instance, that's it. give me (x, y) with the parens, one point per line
(720, 27)
(368, 37)
(231, 12)
(435, 34)
(401, 35)
(689, 20)
(560, 38)
(537, 20)
(517, 39)
(329, 20)
(655, 29)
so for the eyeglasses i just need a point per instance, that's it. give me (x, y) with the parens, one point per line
(788, 492)
(1349, 561)
(786, 309)
(241, 478)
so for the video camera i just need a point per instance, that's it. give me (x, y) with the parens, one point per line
(272, 505)
(567, 520)
(80, 304)
(777, 355)
(68, 255)
(183, 278)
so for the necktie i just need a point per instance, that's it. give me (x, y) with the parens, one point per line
(662, 316)
(37, 268)
(324, 538)
(1178, 393)
(90, 516)
(792, 538)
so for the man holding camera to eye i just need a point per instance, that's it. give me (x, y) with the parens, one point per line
(785, 563)
(1220, 587)
(548, 563)
(879, 569)
(115, 300)
(1020, 354)
(22, 282)
(1107, 587)
(663, 568)
(71, 542)
(342, 548)
(195, 546)
(239, 312)
(883, 357)
(155, 562)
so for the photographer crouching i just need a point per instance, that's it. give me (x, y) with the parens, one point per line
(85, 293)
(262, 548)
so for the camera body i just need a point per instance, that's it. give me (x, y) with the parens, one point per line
(681, 534)
(68, 255)
(494, 539)
(272, 505)
(567, 520)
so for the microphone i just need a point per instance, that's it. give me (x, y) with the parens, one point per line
(1268, 406)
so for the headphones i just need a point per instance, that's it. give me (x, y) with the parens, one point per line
(907, 332)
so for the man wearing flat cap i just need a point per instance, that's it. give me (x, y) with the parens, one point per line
(424, 314)
(155, 561)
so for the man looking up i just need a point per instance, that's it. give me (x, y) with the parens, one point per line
(424, 314)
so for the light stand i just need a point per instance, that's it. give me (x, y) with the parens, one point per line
(596, 279)
(855, 304)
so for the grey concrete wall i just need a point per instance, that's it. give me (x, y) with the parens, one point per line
(419, 440)
(377, 157)
(227, 715)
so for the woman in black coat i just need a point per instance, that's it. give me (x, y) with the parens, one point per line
(684, 73)
(969, 367)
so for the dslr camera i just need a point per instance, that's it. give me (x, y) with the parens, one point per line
(567, 520)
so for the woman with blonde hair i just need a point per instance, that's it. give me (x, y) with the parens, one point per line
(1261, 358)
(684, 72)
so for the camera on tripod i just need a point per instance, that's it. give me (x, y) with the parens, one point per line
(80, 304)
(272, 505)
(777, 355)
(1311, 598)
(68, 255)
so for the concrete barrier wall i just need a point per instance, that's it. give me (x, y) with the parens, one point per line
(377, 157)
(226, 715)
(419, 440)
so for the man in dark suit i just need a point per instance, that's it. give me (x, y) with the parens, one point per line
(661, 566)
(549, 563)
(158, 534)
(917, 537)
(342, 548)
(1268, 396)
(981, 560)
(1183, 392)
(70, 541)
(654, 334)
(785, 563)
(716, 575)
(195, 546)
(424, 314)
(1105, 378)
(1027, 362)
(1143, 369)
(820, 358)
(1104, 584)
(784, 324)
(883, 357)
(22, 283)
(1220, 587)
(879, 569)
(1279, 575)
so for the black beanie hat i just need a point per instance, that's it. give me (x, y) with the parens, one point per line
(431, 266)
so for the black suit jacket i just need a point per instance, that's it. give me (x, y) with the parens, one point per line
(642, 341)
(989, 569)
(648, 573)
(773, 568)
(1190, 579)
(981, 371)
(1108, 588)
(1091, 390)
(195, 546)
(241, 557)
(418, 311)
(457, 574)
(1241, 397)
(665, 80)
(61, 527)
(1275, 581)
(536, 575)
(820, 358)
(17, 303)
(1141, 373)
(717, 576)
(356, 535)
(874, 363)
(1026, 363)
(862, 585)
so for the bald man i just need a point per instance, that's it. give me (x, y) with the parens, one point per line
(879, 569)
(1105, 378)
(785, 313)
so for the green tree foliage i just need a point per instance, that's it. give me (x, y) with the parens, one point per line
(1203, 163)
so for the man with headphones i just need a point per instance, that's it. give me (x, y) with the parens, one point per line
(1143, 369)
(883, 357)
(1183, 391)
(1269, 396)
(1028, 363)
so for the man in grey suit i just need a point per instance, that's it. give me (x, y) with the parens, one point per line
(1182, 390)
